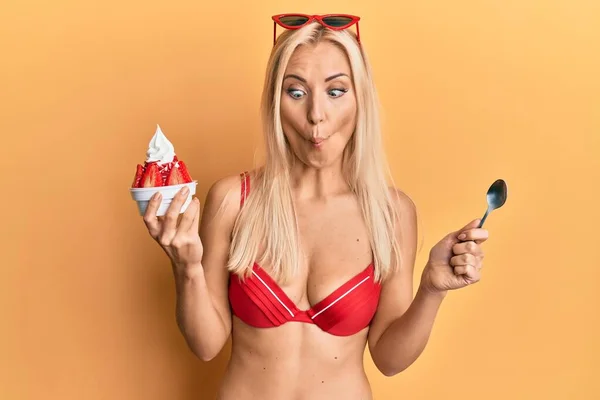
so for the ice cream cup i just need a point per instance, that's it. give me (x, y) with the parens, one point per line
(142, 196)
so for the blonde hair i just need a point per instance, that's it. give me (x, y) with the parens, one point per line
(267, 220)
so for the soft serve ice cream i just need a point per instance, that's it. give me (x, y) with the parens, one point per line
(160, 149)
(162, 168)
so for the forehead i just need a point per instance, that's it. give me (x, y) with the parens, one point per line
(324, 58)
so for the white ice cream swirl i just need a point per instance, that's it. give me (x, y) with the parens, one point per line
(160, 149)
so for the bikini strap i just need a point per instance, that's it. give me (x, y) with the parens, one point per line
(245, 187)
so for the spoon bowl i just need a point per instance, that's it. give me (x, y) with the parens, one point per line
(496, 197)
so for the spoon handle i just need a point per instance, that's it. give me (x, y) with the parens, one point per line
(484, 217)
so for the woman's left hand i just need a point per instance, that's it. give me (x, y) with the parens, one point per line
(455, 261)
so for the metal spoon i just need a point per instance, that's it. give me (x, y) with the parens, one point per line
(496, 197)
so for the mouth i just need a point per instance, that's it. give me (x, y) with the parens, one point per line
(317, 141)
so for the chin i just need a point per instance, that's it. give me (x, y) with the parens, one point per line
(319, 162)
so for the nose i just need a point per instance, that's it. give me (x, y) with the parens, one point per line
(316, 111)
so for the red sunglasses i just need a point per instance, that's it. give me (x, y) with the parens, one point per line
(336, 22)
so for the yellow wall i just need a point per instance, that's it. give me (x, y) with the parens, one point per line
(472, 91)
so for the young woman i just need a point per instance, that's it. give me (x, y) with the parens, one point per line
(310, 257)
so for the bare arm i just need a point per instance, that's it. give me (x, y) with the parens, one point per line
(198, 258)
(203, 312)
(402, 326)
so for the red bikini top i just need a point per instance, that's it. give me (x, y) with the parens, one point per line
(260, 302)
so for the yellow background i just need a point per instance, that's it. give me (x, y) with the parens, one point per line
(471, 91)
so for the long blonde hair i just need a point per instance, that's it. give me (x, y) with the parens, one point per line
(268, 220)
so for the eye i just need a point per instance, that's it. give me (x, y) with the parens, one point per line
(296, 93)
(337, 92)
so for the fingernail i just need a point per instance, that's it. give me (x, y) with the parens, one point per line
(155, 196)
(462, 236)
(185, 190)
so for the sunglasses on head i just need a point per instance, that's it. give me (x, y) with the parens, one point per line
(336, 22)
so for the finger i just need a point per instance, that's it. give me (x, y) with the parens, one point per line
(473, 224)
(174, 210)
(452, 236)
(467, 247)
(468, 271)
(472, 275)
(478, 235)
(196, 222)
(463, 259)
(188, 216)
(460, 269)
(150, 219)
(479, 265)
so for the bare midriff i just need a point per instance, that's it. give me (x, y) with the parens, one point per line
(294, 361)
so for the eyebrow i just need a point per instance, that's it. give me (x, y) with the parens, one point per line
(326, 79)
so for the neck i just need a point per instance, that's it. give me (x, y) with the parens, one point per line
(317, 183)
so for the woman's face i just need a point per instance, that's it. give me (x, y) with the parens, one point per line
(318, 104)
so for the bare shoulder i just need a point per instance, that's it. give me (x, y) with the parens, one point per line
(225, 189)
(406, 227)
(223, 198)
(404, 205)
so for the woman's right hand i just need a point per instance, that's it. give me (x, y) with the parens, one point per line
(181, 242)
